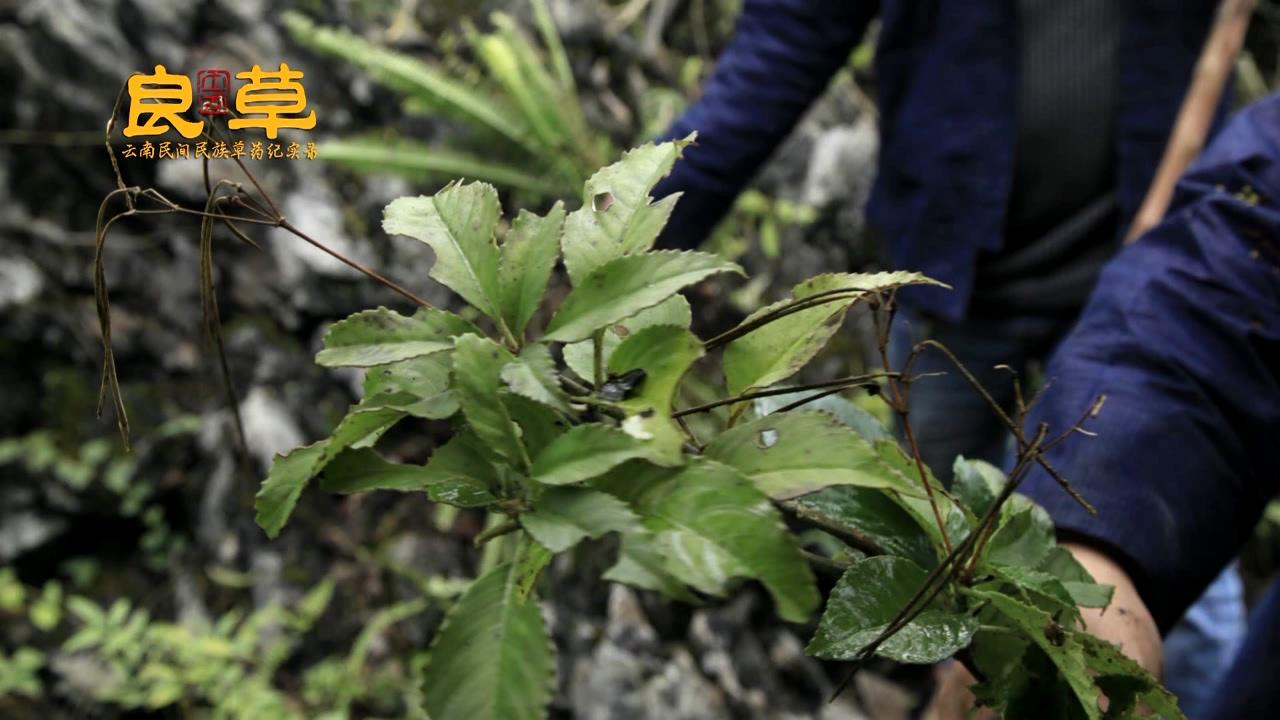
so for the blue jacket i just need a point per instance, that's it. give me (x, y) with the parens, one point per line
(945, 73)
(1182, 335)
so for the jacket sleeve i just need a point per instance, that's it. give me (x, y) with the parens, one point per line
(1182, 336)
(781, 57)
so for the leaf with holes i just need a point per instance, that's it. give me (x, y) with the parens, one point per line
(617, 216)
(791, 454)
(665, 353)
(1126, 684)
(624, 286)
(1064, 647)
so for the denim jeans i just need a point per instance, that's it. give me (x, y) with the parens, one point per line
(949, 418)
(1250, 689)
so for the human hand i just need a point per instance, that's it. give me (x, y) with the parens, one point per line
(1126, 622)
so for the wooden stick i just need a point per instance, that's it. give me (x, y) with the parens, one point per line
(1212, 72)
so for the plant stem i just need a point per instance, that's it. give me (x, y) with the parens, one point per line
(837, 384)
(496, 531)
(597, 357)
(788, 308)
(824, 565)
(850, 536)
(899, 388)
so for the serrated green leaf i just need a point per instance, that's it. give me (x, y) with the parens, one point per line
(1040, 589)
(861, 421)
(873, 514)
(617, 217)
(363, 470)
(1020, 680)
(1060, 563)
(467, 478)
(284, 484)
(290, 473)
(875, 282)
(665, 353)
(493, 658)
(477, 366)
(563, 516)
(674, 310)
(531, 559)
(1024, 538)
(584, 452)
(626, 285)
(641, 565)
(528, 255)
(977, 483)
(539, 425)
(458, 223)
(713, 526)
(792, 454)
(865, 601)
(1064, 647)
(419, 387)
(1126, 684)
(533, 375)
(776, 351)
(381, 336)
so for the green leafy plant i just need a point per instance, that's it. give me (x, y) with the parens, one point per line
(230, 666)
(572, 432)
(526, 128)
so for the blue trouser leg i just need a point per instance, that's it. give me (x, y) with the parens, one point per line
(950, 418)
(1201, 646)
(1251, 688)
